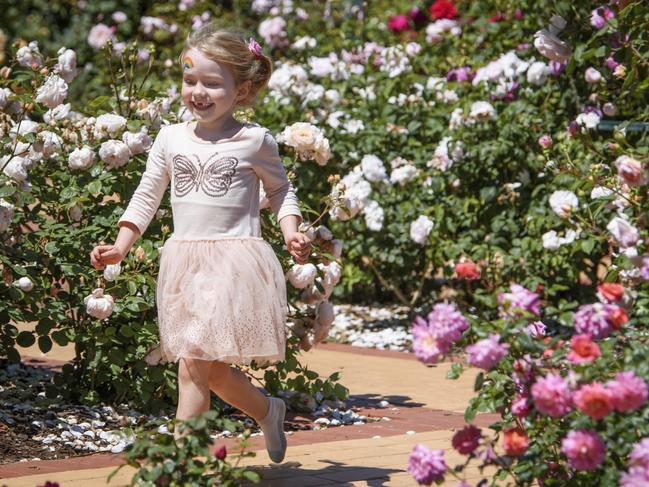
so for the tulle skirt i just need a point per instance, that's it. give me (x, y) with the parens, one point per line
(221, 299)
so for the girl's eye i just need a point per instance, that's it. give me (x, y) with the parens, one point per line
(211, 84)
(188, 81)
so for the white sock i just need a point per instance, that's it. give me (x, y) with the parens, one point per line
(273, 427)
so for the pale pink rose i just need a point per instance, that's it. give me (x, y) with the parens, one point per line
(624, 234)
(545, 141)
(592, 76)
(99, 35)
(630, 171)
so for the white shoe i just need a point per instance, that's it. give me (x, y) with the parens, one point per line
(272, 426)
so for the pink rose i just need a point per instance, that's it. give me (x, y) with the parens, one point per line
(630, 171)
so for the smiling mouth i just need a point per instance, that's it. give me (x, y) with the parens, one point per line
(201, 106)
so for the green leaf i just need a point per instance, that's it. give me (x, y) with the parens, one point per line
(99, 101)
(7, 191)
(51, 248)
(44, 344)
(479, 380)
(25, 339)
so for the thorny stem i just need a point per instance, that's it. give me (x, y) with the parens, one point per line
(112, 77)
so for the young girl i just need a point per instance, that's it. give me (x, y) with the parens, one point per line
(221, 293)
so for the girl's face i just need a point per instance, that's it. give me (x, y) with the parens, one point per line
(209, 90)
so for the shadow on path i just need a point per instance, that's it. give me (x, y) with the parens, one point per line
(371, 400)
(337, 473)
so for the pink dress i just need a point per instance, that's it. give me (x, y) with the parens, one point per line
(221, 292)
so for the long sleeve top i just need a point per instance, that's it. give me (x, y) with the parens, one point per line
(214, 185)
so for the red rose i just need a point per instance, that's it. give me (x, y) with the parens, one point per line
(443, 9)
(467, 270)
(611, 291)
(466, 440)
(221, 453)
(515, 441)
(618, 317)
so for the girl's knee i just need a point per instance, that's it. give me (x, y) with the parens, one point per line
(193, 370)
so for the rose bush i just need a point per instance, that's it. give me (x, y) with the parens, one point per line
(66, 177)
(561, 349)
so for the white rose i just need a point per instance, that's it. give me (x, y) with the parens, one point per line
(563, 202)
(112, 271)
(322, 150)
(59, 112)
(6, 214)
(17, 167)
(301, 276)
(26, 127)
(538, 73)
(138, 142)
(373, 215)
(373, 168)
(67, 65)
(345, 208)
(600, 192)
(592, 76)
(551, 240)
(324, 233)
(420, 229)
(81, 158)
(482, 109)
(24, 284)
(332, 273)
(324, 318)
(550, 46)
(114, 153)
(109, 124)
(52, 92)
(29, 55)
(625, 234)
(98, 304)
(49, 143)
(336, 248)
(403, 174)
(5, 93)
(300, 135)
(587, 120)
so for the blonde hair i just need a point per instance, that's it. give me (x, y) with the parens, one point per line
(229, 46)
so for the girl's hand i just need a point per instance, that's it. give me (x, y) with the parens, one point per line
(103, 255)
(299, 246)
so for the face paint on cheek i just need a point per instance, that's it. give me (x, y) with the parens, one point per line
(187, 63)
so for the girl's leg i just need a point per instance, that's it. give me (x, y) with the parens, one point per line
(232, 385)
(193, 388)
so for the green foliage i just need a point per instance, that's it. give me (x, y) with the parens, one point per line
(189, 461)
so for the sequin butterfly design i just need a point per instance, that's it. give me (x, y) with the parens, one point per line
(213, 176)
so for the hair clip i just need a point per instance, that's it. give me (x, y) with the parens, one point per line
(254, 47)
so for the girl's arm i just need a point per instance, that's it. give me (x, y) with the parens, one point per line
(103, 255)
(297, 243)
(139, 213)
(282, 198)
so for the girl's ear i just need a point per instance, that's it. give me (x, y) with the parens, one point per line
(243, 90)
